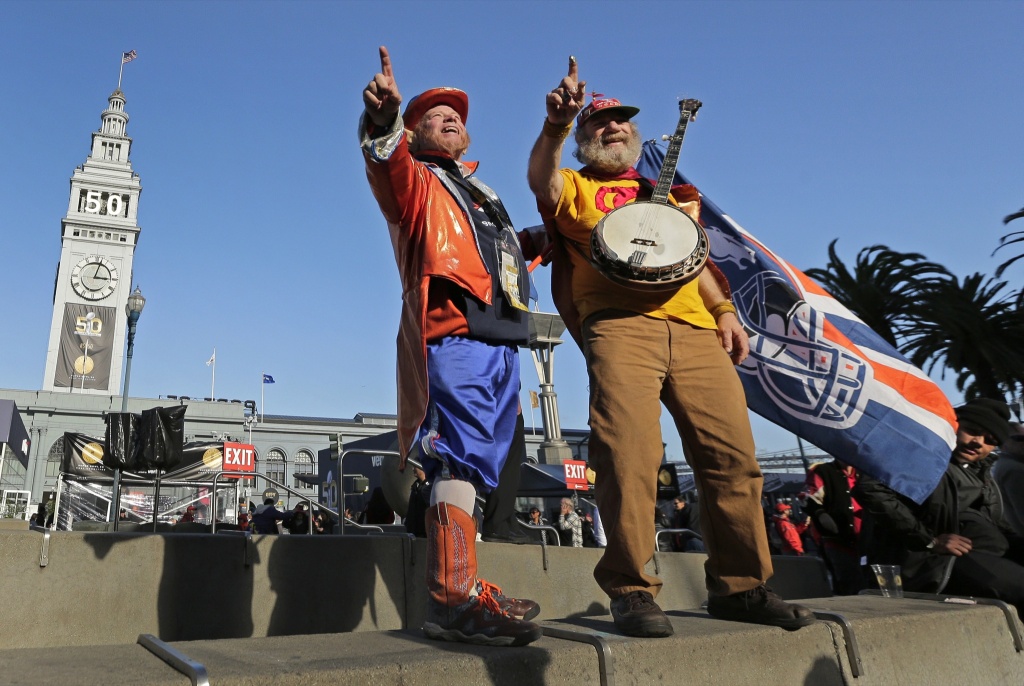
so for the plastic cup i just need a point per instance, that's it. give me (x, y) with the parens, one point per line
(889, 580)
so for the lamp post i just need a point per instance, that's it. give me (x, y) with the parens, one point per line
(133, 309)
(545, 330)
(89, 317)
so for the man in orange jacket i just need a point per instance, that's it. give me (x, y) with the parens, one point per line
(464, 316)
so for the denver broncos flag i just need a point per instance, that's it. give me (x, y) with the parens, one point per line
(817, 370)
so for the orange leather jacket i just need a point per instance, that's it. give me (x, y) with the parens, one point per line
(432, 237)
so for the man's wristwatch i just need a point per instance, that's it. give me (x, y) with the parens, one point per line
(931, 545)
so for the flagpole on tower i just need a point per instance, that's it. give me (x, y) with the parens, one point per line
(126, 57)
(263, 383)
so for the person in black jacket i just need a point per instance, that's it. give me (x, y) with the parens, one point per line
(266, 517)
(958, 531)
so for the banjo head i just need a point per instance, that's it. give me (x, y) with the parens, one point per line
(649, 246)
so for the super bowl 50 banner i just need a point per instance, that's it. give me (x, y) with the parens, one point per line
(818, 371)
(86, 344)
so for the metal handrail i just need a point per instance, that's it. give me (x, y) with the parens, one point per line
(364, 451)
(367, 527)
(309, 501)
(544, 527)
(659, 532)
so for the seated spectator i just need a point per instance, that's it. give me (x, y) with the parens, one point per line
(266, 517)
(571, 525)
(789, 532)
(1008, 473)
(537, 519)
(298, 522)
(837, 520)
(322, 523)
(686, 516)
(960, 522)
(243, 521)
(189, 515)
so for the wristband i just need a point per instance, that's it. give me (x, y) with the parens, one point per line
(555, 131)
(721, 308)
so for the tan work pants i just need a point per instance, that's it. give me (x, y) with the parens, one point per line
(636, 363)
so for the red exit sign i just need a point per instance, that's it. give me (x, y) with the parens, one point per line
(239, 457)
(575, 475)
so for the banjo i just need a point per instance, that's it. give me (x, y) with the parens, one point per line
(652, 245)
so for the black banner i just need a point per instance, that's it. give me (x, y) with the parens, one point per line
(84, 455)
(86, 346)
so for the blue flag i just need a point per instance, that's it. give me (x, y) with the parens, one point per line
(817, 370)
(267, 378)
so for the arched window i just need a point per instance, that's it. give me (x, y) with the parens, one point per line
(55, 458)
(273, 465)
(303, 465)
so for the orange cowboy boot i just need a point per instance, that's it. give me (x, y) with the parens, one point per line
(458, 609)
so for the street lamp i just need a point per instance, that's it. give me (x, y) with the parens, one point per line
(89, 317)
(133, 309)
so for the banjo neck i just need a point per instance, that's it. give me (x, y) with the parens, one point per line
(687, 111)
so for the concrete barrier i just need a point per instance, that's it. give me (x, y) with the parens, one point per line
(107, 588)
(324, 609)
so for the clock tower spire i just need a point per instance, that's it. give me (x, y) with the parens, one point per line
(94, 277)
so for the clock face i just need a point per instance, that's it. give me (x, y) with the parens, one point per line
(94, 278)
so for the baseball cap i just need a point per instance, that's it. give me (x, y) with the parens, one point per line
(783, 507)
(600, 104)
(418, 106)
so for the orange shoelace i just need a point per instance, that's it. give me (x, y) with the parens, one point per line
(488, 591)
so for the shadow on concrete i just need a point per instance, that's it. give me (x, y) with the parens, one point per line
(824, 671)
(340, 594)
(505, 666)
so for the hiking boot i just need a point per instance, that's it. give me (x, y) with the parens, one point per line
(481, 621)
(516, 608)
(760, 605)
(636, 614)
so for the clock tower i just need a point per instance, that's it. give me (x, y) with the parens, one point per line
(94, 277)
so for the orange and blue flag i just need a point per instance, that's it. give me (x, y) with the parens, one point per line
(817, 370)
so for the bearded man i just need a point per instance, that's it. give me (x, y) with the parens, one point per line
(642, 349)
(463, 318)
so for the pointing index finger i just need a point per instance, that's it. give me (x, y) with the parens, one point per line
(385, 63)
(574, 71)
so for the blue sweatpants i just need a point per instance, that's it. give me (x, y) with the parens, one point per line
(471, 413)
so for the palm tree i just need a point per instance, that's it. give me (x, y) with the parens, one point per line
(973, 329)
(1010, 239)
(885, 288)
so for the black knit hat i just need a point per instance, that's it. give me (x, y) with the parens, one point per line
(987, 414)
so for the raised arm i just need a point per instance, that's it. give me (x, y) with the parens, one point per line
(381, 98)
(563, 104)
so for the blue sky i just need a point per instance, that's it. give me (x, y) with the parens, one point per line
(870, 122)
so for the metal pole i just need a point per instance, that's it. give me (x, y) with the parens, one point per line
(85, 363)
(115, 500)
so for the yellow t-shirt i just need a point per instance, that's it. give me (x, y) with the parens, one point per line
(583, 203)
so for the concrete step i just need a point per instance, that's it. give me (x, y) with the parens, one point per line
(902, 642)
